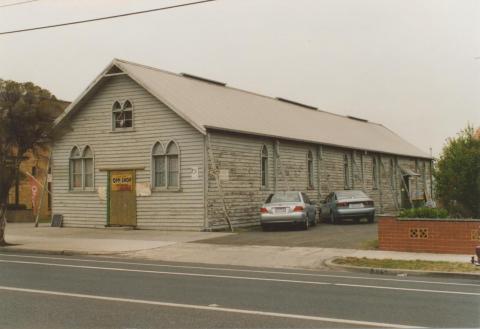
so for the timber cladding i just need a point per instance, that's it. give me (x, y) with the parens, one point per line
(181, 209)
(429, 235)
(238, 159)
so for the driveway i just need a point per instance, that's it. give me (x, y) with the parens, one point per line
(346, 235)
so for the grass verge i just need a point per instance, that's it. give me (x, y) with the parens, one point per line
(420, 265)
(370, 244)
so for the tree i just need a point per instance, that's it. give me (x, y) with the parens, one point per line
(457, 175)
(26, 115)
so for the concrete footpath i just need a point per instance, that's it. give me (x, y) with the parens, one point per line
(177, 246)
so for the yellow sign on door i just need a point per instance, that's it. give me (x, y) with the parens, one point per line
(122, 181)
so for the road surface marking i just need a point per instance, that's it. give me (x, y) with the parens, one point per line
(239, 277)
(243, 270)
(407, 289)
(208, 308)
(165, 272)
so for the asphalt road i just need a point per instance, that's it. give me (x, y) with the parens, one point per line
(346, 235)
(40, 291)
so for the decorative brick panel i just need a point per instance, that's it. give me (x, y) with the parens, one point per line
(429, 235)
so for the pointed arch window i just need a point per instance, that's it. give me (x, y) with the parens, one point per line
(392, 173)
(159, 166)
(173, 165)
(122, 115)
(346, 172)
(264, 167)
(81, 168)
(87, 167)
(166, 165)
(310, 169)
(75, 168)
(375, 172)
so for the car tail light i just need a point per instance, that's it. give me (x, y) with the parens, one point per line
(342, 204)
(263, 210)
(298, 208)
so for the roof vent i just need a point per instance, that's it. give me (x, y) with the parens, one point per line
(114, 70)
(297, 103)
(355, 118)
(191, 76)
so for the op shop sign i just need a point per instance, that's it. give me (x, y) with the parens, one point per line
(122, 182)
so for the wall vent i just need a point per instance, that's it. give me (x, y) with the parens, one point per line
(114, 70)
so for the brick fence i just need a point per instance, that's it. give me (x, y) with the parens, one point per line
(459, 236)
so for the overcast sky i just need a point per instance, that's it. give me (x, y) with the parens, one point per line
(410, 65)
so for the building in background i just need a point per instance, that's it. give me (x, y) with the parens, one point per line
(20, 195)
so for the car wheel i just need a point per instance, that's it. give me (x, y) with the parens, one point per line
(371, 219)
(306, 224)
(265, 227)
(356, 220)
(333, 219)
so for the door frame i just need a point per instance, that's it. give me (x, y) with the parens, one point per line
(109, 176)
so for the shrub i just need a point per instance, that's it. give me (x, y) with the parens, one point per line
(457, 175)
(424, 213)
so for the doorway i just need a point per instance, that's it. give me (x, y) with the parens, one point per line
(122, 198)
(406, 203)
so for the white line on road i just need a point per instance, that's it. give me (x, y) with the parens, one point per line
(208, 308)
(164, 272)
(239, 277)
(241, 270)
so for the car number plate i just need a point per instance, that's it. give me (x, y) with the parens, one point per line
(280, 210)
(355, 205)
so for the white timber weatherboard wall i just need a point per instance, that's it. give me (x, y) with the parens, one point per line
(153, 121)
(239, 155)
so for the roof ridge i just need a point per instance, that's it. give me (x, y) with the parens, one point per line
(241, 90)
(146, 66)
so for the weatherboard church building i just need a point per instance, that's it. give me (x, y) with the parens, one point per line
(152, 149)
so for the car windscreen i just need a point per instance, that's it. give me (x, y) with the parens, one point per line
(351, 195)
(284, 197)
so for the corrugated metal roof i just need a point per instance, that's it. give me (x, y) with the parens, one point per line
(212, 105)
